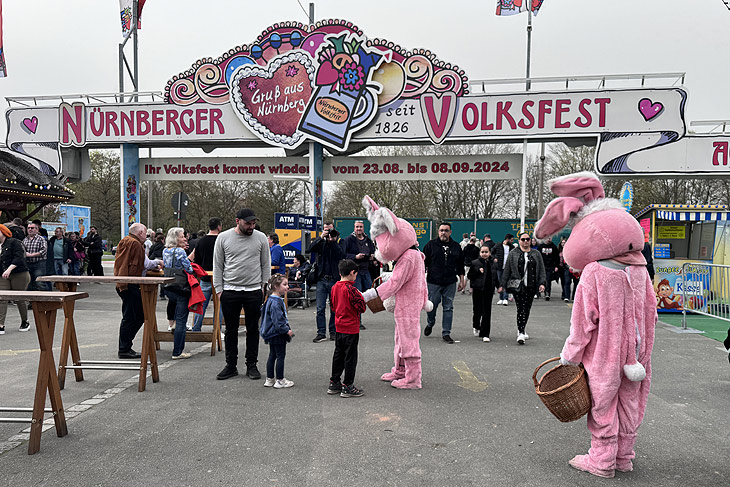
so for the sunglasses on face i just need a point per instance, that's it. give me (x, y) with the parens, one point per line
(524, 240)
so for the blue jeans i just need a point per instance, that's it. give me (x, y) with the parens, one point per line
(324, 286)
(437, 294)
(504, 294)
(74, 268)
(207, 288)
(364, 281)
(37, 269)
(181, 319)
(60, 267)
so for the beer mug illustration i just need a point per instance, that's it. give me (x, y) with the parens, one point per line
(345, 101)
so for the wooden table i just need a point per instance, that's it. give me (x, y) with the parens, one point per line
(69, 342)
(45, 304)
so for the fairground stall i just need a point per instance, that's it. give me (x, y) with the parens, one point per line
(681, 235)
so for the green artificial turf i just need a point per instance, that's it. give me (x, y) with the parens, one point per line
(712, 327)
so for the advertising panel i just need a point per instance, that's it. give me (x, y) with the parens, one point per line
(670, 283)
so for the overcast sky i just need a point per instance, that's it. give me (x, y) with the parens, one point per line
(60, 47)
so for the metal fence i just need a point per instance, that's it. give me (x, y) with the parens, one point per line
(705, 290)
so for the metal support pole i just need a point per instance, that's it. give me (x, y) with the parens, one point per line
(529, 45)
(524, 142)
(135, 23)
(524, 186)
(541, 189)
(149, 197)
(121, 72)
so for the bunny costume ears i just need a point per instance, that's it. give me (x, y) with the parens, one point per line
(579, 194)
(602, 229)
(392, 234)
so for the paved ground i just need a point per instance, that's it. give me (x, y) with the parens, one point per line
(477, 421)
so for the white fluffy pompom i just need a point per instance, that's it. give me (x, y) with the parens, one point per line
(635, 372)
(428, 306)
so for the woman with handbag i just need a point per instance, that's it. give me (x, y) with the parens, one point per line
(78, 254)
(523, 277)
(177, 265)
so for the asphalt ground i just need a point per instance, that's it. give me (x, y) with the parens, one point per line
(477, 420)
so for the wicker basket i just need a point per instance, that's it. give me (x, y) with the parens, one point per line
(564, 390)
(376, 304)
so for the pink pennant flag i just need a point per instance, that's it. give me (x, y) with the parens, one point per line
(512, 7)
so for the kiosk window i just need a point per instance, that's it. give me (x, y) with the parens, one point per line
(677, 235)
(702, 240)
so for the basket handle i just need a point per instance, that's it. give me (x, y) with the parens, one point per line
(534, 374)
(376, 282)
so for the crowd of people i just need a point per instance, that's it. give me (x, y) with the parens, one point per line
(242, 261)
(29, 253)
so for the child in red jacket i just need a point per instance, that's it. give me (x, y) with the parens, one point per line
(347, 305)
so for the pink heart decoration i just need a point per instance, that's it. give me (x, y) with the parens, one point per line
(650, 110)
(327, 74)
(270, 100)
(31, 124)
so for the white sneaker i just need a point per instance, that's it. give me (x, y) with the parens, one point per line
(282, 383)
(499, 302)
(183, 355)
(485, 339)
(270, 381)
(505, 302)
(521, 338)
(527, 337)
(475, 331)
(189, 327)
(566, 299)
(170, 328)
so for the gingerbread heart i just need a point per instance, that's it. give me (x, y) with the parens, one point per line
(270, 100)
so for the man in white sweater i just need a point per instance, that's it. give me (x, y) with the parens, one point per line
(241, 266)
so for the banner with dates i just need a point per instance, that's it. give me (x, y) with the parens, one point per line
(424, 168)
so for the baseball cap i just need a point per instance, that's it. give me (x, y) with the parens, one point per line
(246, 214)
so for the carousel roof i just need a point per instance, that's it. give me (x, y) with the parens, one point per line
(20, 180)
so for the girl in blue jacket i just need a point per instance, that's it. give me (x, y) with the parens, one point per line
(275, 331)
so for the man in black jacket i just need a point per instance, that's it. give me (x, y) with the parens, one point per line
(549, 253)
(444, 268)
(359, 248)
(500, 253)
(93, 243)
(329, 254)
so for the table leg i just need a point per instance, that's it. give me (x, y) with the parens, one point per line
(68, 338)
(149, 303)
(47, 380)
(216, 324)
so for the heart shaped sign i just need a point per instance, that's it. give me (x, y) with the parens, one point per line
(271, 100)
(30, 124)
(650, 110)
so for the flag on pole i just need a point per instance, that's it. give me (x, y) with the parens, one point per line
(3, 69)
(512, 7)
(125, 7)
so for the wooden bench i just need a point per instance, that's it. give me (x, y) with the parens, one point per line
(69, 342)
(45, 305)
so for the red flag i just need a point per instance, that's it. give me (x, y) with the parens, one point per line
(3, 68)
(125, 11)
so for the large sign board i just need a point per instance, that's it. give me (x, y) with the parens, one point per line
(330, 83)
(423, 168)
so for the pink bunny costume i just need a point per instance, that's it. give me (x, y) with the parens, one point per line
(613, 318)
(396, 241)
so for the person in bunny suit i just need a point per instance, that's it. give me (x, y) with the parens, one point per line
(613, 317)
(396, 241)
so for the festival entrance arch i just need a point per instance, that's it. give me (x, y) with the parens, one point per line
(305, 87)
